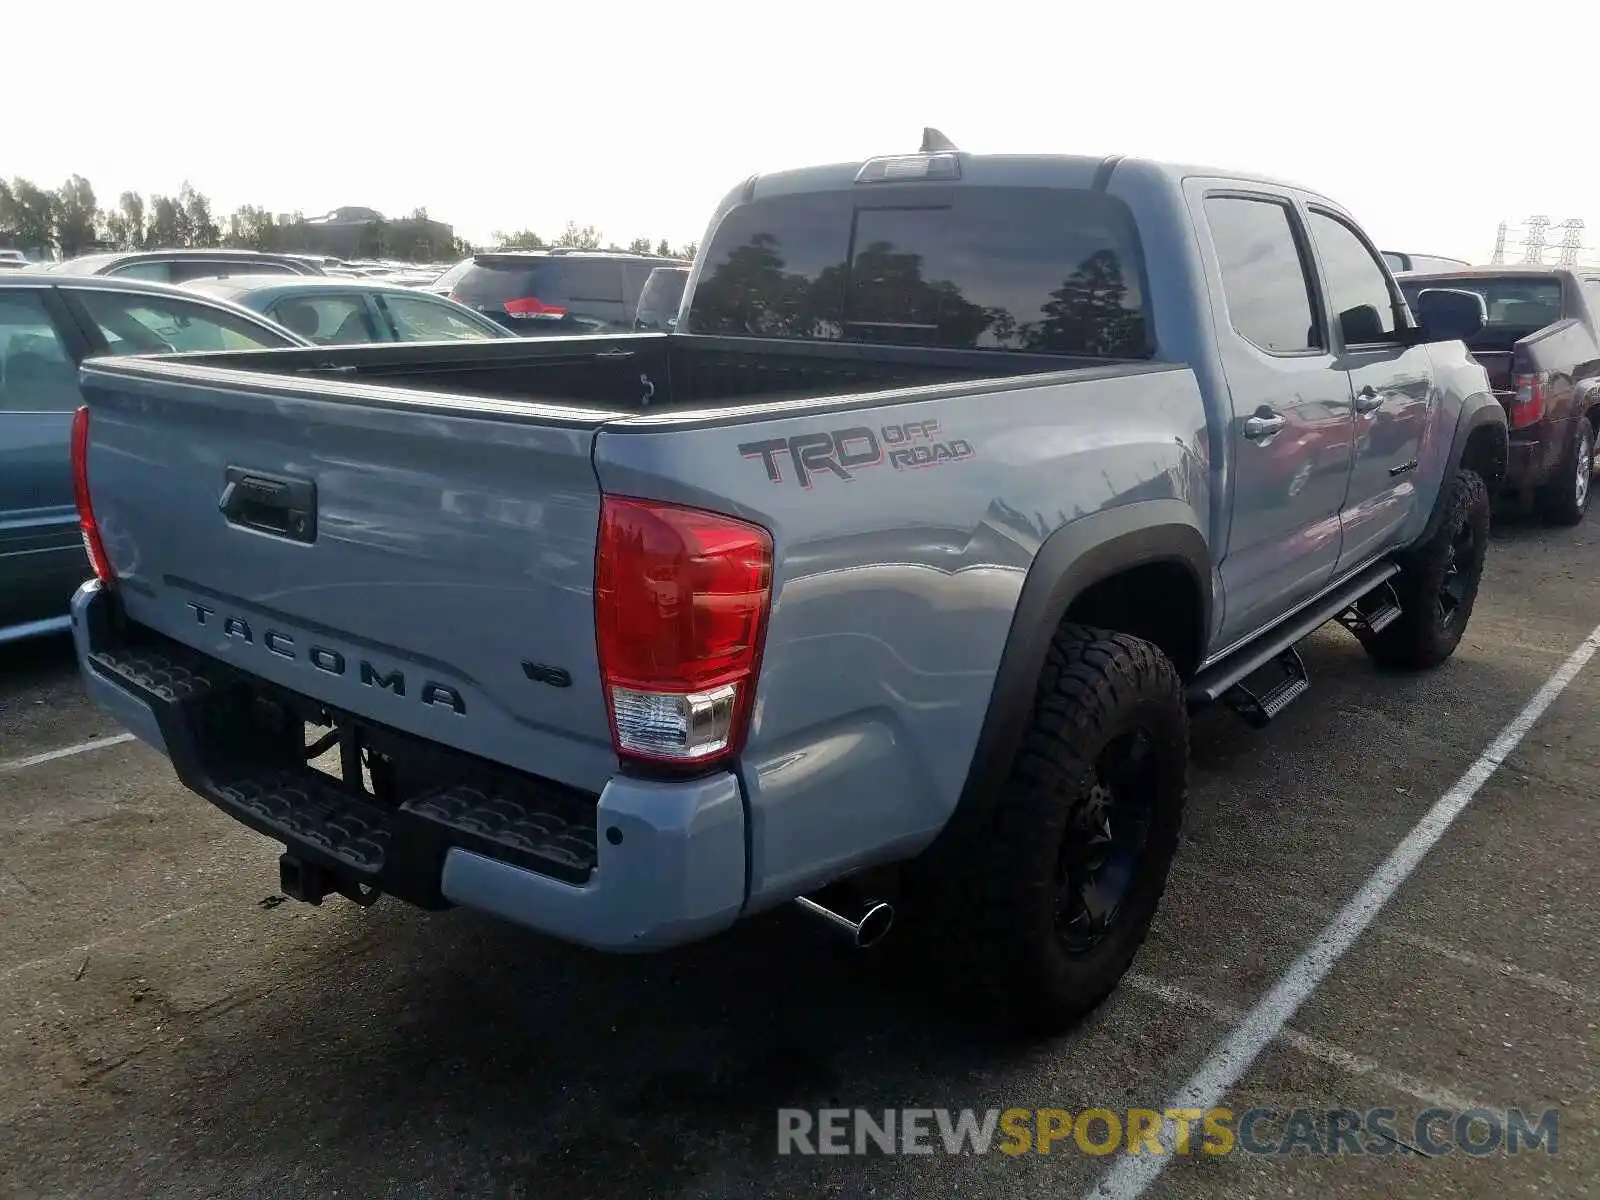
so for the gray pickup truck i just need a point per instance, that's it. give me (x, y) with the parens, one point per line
(887, 581)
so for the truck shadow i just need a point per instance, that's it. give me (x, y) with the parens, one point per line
(561, 1073)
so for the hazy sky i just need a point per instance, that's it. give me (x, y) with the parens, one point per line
(1427, 124)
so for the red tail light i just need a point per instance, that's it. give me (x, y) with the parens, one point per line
(1528, 408)
(92, 544)
(530, 309)
(681, 599)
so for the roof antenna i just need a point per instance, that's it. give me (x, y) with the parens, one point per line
(934, 142)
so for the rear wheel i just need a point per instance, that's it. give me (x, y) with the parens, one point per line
(1048, 903)
(1565, 499)
(1438, 584)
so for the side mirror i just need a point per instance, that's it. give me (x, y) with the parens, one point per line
(1448, 315)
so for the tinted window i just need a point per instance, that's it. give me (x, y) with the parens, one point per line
(635, 275)
(661, 298)
(1526, 303)
(329, 320)
(200, 268)
(448, 279)
(1358, 289)
(133, 324)
(575, 295)
(1397, 262)
(417, 319)
(36, 373)
(1264, 281)
(159, 271)
(1037, 269)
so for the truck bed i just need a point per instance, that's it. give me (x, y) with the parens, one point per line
(632, 371)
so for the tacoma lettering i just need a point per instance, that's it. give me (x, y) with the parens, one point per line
(329, 661)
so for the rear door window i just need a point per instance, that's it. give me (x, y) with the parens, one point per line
(137, 324)
(1045, 270)
(36, 372)
(328, 320)
(1269, 296)
(425, 319)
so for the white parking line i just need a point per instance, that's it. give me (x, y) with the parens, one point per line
(1334, 1055)
(1132, 1175)
(34, 760)
(1556, 986)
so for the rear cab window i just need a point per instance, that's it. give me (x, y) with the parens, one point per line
(1043, 270)
(1517, 305)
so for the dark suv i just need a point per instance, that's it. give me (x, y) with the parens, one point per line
(537, 292)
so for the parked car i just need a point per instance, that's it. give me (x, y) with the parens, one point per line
(1401, 262)
(330, 311)
(179, 266)
(48, 325)
(660, 298)
(904, 599)
(1541, 349)
(548, 292)
(13, 260)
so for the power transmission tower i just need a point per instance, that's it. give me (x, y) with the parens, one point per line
(1499, 256)
(1571, 243)
(1534, 245)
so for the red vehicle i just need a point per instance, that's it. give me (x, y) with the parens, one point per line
(1541, 349)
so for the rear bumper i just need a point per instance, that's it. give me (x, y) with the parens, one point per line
(1534, 455)
(645, 865)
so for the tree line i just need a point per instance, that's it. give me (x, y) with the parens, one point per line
(69, 220)
(587, 237)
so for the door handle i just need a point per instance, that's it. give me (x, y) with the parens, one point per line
(1367, 400)
(280, 505)
(1264, 424)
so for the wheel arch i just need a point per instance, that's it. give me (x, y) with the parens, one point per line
(1081, 573)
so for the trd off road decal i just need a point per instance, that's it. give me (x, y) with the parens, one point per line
(843, 452)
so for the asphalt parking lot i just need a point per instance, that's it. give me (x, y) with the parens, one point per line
(169, 1027)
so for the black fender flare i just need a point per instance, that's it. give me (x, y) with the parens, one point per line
(1480, 411)
(1071, 560)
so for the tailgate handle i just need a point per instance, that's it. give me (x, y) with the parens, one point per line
(282, 506)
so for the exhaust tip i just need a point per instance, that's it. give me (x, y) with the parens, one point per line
(874, 926)
(868, 931)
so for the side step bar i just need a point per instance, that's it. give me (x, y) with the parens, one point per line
(1214, 682)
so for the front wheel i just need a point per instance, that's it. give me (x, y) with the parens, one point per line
(1438, 584)
(1046, 905)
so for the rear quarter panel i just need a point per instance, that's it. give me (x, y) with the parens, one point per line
(894, 587)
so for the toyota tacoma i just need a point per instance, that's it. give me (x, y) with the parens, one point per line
(887, 579)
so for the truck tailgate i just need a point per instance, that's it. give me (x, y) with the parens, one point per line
(421, 560)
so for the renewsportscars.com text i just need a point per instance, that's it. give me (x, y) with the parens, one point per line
(1376, 1131)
